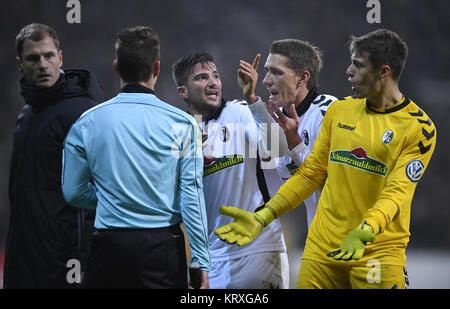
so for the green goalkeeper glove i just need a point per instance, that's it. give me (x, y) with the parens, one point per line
(247, 225)
(352, 247)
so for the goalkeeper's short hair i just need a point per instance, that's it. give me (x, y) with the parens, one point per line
(382, 46)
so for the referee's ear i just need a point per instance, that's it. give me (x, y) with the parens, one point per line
(183, 92)
(156, 69)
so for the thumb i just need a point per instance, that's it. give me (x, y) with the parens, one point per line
(366, 236)
(231, 211)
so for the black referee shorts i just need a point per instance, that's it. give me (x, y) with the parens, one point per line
(137, 258)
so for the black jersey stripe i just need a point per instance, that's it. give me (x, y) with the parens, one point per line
(418, 114)
(319, 99)
(428, 135)
(424, 149)
(326, 103)
(427, 122)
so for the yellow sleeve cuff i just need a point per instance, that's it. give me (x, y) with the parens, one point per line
(381, 215)
(279, 204)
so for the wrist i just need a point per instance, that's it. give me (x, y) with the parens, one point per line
(267, 215)
(251, 98)
(372, 224)
(293, 141)
(366, 227)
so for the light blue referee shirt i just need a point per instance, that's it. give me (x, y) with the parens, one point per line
(138, 161)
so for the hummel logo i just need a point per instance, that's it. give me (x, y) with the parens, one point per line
(346, 127)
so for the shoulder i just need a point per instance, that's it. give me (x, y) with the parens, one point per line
(236, 109)
(347, 103)
(80, 92)
(420, 122)
(163, 109)
(237, 104)
(321, 103)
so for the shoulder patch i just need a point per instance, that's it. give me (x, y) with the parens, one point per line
(414, 170)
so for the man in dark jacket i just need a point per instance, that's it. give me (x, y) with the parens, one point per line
(47, 240)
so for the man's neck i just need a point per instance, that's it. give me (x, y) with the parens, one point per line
(301, 97)
(199, 116)
(387, 97)
(149, 84)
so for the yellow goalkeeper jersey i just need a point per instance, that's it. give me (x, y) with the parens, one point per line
(371, 160)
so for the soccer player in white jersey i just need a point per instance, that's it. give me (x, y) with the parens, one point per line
(233, 141)
(292, 75)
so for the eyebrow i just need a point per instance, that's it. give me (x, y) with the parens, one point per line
(206, 73)
(357, 60)
(36, 54)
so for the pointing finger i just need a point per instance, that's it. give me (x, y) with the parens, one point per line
(256, 61)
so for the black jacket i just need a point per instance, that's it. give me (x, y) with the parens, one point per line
(44, 232)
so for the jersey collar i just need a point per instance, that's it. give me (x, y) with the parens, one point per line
(397, 106)
(303, 107)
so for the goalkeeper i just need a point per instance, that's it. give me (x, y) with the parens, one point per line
(371, 151)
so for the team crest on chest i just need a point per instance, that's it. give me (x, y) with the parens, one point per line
(224, 134)
(387, 137)
(305, 137)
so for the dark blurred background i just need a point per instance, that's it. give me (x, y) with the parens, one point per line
(232, 30)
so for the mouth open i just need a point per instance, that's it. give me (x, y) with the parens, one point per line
(212, 94)
(273, 94)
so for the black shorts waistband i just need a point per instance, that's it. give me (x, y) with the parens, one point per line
(171, 228)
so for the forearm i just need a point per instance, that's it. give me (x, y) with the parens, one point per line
(299, 153)
(196, 230)
(275, 208)
(278, 143)
(77, 189)
(381, 215)
(194, 218)
(192, 205)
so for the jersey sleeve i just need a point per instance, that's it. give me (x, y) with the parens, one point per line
(271, 136)
(191, 196)
(77, 188)
(299, 153)
(412, 162)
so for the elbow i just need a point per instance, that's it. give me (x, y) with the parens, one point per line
(68, 196)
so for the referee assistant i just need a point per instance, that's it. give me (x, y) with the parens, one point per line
(138, 161)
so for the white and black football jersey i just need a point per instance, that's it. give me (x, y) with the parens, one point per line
(230, 178)
(311, 113)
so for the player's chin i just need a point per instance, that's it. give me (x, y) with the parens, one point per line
(213, 104)
(359, 94)
(274, 101)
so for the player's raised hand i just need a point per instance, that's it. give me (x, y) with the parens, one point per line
(288, 124)
(243, 230)
(248, 78)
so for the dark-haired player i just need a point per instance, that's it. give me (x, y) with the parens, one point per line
(234, 145)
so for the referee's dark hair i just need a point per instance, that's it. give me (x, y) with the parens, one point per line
(382, 46)
(302, 55)
(182, 67)
(137, 50)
